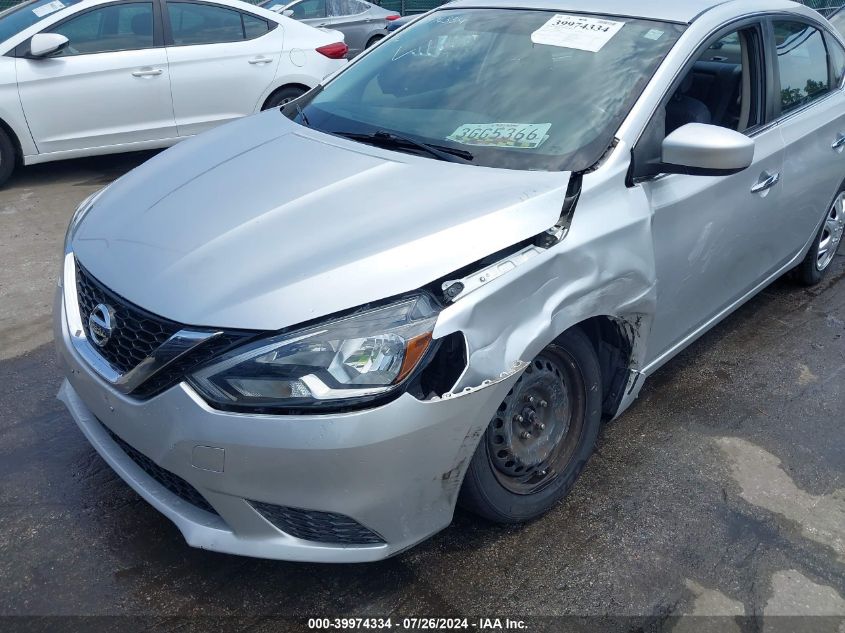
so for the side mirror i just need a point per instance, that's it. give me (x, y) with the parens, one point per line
(44, 44)
(288, 13)
(697, 149)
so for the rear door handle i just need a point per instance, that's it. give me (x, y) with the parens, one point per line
(260, 60)
(767, 181)
(147, 72)
(839, 143)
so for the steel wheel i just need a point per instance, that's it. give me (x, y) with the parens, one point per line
(538, 427)
(831, 235)
(541, 438)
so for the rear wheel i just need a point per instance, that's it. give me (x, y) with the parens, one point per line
(541, 437)
(8, 157)
(284, 95)
(821, 255)
(373, 40)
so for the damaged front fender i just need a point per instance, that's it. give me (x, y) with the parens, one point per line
(603, 268)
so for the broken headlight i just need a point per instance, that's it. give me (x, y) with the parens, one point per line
(358, 357)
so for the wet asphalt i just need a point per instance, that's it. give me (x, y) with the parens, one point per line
(720, 493)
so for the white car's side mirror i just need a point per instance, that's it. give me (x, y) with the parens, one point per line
(44, 44)
(706, 150)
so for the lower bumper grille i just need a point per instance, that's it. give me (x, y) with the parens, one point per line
(321, 527)
(172, 482)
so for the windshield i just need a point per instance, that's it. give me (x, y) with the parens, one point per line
(22, 16)
(517, 89)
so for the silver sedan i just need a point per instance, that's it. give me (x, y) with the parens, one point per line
(362, 23)
(489, 231)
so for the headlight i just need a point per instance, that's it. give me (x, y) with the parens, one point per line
(360, 357)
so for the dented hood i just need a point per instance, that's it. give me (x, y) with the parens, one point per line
(263, 224)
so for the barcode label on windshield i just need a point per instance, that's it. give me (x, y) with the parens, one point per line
(512, 135)
(577, 31)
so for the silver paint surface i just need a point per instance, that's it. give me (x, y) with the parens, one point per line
(265, 224)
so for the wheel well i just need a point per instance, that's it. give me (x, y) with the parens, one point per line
(612, 340)
(374, 39)
(293, 85)
(15, 141)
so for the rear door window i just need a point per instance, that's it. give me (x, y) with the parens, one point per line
(837, 61)
(192, 23)
(802, 64)
(308, 9)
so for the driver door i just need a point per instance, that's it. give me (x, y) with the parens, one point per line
(110, 86)
(716, 238)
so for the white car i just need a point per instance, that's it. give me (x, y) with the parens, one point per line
(79, 78)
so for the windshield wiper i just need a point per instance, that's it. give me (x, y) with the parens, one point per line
(301, 114)
(391, 140)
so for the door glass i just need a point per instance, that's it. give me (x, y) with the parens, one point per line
(338, 8)
(118, 27)
(254, 27)
(204, 24)
(802, 60)
(838, 20)
(837, 60)
(721, 88)
(308, 9)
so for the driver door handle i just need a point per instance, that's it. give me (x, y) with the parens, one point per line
(147, 72)
(839, 143)
(767, 181)
(261, 60)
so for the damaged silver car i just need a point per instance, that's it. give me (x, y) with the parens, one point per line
(309, 334)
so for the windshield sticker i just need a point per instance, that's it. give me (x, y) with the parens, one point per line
(278, 8)
(511, 135)
(654, 34)
(47, 9)
(577, 31)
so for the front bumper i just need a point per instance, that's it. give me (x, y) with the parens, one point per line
(395, 470)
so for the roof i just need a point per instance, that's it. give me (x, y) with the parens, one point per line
(682, 11)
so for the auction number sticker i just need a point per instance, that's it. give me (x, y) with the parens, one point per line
(510, 135)
(47, 9)
(577, 31)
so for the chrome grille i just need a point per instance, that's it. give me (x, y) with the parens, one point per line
(137, 333)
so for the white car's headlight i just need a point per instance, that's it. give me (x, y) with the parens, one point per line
(361, 357)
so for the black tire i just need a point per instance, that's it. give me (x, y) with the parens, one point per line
(373, 40)
(513, 478)
(283, 95)
(8, 157)
(814, 267)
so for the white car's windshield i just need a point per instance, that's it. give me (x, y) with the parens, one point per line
(24, 15)
(518, 89)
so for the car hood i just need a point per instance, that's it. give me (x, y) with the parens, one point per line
(263, 224)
